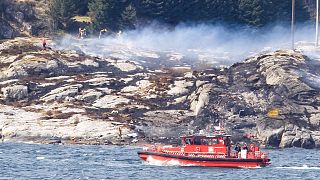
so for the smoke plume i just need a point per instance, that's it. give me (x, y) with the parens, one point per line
(211, 43)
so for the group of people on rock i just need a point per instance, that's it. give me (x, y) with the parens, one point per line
(82, 33)
(103, 33)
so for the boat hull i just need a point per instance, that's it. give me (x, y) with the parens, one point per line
(200, 161)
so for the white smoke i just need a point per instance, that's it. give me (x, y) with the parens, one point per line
(215, 43)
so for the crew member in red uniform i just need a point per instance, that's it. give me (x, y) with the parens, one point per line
(251, 148)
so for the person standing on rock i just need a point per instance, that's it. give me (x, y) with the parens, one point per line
(44, 44)
(82, 33)
(1, 136)
(120, 132)
(102, 33)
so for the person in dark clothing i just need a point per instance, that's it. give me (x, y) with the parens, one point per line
(237, 148)
(245, 147)
(44, 44)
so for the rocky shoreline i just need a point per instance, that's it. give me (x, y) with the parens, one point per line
(69, 96)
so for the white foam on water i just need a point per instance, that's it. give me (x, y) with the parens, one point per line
(304, 167)
(245, 167)
(40, 157)
(155, 162)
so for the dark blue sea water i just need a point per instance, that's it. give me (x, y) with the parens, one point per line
(32, 161)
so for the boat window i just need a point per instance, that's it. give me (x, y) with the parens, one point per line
(205, 141)
(197, 141)
(188, 141)
(214, 141)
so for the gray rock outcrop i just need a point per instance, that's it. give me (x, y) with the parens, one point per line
(16, 92)
(65, 96)
(6, 31)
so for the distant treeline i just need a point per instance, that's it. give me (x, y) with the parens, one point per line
(127, 14)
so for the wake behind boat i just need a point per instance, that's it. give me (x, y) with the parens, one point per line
(206, 150)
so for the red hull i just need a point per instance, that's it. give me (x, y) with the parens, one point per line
(208, 162)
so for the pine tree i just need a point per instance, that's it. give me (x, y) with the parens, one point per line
(280, 11)
(218, 10)
(254, 12)
(153, 9)
(98, 14)
(82, 7)
(129, 17)
(122, 14)
(61, 11)
(111, 14)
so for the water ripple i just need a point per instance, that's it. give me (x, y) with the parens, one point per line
(34, 161)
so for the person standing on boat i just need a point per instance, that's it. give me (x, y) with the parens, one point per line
(251, 148)
(237, 149)
(245, 147)
(227, 142)
(244, 151)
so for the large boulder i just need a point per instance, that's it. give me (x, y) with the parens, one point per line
(307, 141)
(287, 139)
(62, 93)
(296, 142)
(303, 139)
(200, 99)
(16, 92)
(90, 96)
(33, 65)
(274, 138)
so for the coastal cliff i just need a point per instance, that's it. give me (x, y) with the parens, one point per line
(72, 96)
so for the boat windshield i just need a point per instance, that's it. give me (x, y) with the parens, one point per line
(201, 141)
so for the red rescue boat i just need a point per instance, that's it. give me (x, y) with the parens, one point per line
(201, 150)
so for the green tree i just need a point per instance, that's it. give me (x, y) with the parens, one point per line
(98, 13)
(255, 12)
(122, 14)
(112, 14)
(128, 17)
(61, 11)
(218, 10)
(282, 11)
(82, 7)
(153, 9)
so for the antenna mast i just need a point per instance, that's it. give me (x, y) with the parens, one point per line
(293, 24)
(317, 24)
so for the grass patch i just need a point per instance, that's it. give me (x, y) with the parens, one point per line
(85, 19)
(55, 114)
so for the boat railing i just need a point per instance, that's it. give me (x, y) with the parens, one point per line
(149, 148)
(196, 154)
(264, 155)
(250, 155)
(258, 154)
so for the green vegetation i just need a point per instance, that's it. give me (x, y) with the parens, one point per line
(112, 14)
(124, 14)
